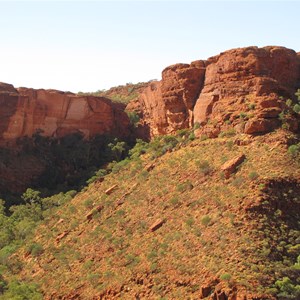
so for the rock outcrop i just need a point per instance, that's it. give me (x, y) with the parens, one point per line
(243, 89)
(56, 114)
(248, 86)
(167, 105)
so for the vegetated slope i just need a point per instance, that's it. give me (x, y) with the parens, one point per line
(121, 93)
(181, 225)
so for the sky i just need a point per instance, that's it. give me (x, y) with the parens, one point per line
(94, 45)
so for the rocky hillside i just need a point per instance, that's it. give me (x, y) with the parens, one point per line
(210, 219)
(208, 209)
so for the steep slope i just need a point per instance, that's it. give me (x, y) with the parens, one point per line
(215, 219)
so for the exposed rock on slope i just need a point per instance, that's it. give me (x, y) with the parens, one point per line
(243, 88)
(156, 237)
(57, 114)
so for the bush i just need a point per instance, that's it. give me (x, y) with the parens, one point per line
(98, 174)
(253, 175)
(294, 149)
(204, 167)
(140, 148)
(133, 118)
(225, 277)
(16, 290)
(287, 289)
(35, 249)
(296, 108)
(2, 284)
(205, 220)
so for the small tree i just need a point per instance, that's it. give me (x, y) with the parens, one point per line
(133, 118)
(117, 148)
(296, 107)
(31, 196)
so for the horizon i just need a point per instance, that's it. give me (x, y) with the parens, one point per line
(88, 46)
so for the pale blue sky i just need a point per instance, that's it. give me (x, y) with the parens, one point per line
(86, 46)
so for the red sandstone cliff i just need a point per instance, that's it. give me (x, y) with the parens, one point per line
(54, 113)
(244, 89)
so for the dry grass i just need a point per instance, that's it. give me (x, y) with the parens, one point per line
(207, 230)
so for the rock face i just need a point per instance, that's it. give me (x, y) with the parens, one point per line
(54, 113)
(167, 105)
(244, 89)
(248, 86)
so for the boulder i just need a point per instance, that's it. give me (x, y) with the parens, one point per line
(230, 166)
(156, 225)
(111, 189)
(258, 126)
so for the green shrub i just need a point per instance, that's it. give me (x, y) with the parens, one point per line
(134, 118)
(228, 133)
(243, 115)
(204, 167)
(196, 126)
(31, 196)
(88, 203)
(289, 102)
(140, 148)
(3, 284)
(251, 106)
(132, 260)
(294, 150)
(35, 249)
(205, 220)
(98, 174)
(190, 222)
(16, 290)
(296, 108)
(287, 288)
(253, 175)
(185, 186)
(174, 201)
(225, 277)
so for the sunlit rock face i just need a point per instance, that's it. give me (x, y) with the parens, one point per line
(167, 105)
(239, 79)
(56, 114)
(244, 89)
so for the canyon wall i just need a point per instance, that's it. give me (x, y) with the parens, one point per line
(244, 89)
(56, 114)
